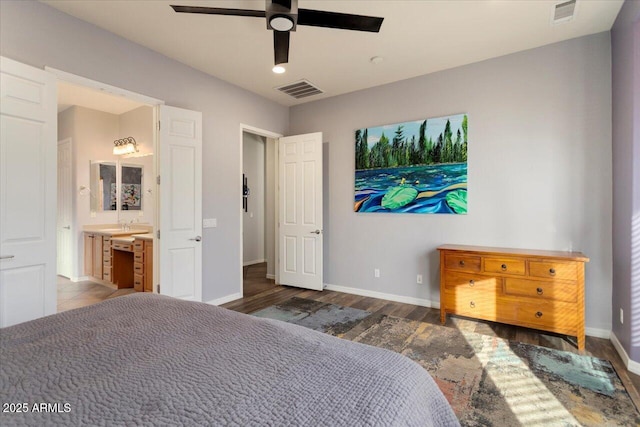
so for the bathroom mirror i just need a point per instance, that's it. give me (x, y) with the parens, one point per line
(103, 186)
(131, 187)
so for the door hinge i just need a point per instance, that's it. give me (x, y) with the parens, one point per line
(158, 124)
(158, 234)
(158, 287)
(158, 179)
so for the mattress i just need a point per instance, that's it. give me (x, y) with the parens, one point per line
(146, 359)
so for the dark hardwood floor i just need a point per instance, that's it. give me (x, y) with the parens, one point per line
(260, 292)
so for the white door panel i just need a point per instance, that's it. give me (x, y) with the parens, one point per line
(300, 231)
(181, 203)
(28, 154)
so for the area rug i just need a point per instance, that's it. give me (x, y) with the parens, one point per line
(487, 380)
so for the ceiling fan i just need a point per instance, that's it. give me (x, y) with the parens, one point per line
(284, 15)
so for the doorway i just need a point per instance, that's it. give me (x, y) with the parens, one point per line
(90, 119)
(259, 211)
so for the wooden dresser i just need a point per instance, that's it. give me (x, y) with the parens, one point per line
(531, 288)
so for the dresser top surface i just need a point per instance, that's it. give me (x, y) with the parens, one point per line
(487, 250)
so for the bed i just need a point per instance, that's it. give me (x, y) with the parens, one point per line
(147, 359)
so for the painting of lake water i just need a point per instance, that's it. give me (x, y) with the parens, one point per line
(413, 167)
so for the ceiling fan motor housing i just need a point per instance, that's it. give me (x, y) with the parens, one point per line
(281, 8)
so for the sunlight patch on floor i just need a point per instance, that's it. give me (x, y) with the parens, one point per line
(529, 399)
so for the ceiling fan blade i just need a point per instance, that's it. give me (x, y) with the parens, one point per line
(284, 3)
(219, 11)
(342, 21)
(281, 46)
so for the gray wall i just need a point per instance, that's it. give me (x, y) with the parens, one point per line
(625, 43)
(38, 35)
(253, 221)
(539, 168)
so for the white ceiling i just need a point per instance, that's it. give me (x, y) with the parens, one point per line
(417, 37)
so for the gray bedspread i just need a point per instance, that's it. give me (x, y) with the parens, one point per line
(151, 360)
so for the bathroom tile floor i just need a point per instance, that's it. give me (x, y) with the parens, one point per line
(80, 294)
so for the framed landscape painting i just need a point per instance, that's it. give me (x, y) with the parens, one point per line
(413, 167)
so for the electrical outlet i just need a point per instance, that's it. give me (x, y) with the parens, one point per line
(376, 272)
(419, 279)
(621, 316)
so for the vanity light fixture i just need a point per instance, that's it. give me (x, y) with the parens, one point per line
(126, 145)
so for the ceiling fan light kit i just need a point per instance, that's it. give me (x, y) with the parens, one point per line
(283, 16)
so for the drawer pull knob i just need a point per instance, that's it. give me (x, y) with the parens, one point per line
(504, 267)
(552, 271)
(472, 304)
(461, 263)
(539, 291)
(472, 282)
(539, 314)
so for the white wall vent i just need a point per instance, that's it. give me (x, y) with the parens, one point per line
(563, 12)
(300, 89)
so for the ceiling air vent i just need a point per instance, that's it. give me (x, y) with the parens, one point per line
(300, 89)
(564, 11)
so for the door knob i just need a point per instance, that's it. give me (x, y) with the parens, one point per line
(197, 238)
(315, 232)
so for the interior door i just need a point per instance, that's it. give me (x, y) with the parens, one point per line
(28, 116)
(300, 211)
(180, 216)
(65, 216)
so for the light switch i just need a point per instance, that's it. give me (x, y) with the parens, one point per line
(209, 223)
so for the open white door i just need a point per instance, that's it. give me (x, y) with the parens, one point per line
(300, 211)
(180, 216)
(65, 208)
(28, 151)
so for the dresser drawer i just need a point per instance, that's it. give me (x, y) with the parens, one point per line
(138, 256)
(453, 279)
(138, 245)
(138, 268)
(462, 262)
(557, 291)
(127, 247)
(470, 302)
(551, 316)
(106, 262)
(106, 274)
(504, 265)
(138, 283)
(553, 270)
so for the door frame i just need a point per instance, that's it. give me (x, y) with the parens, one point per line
(133, 96)
(73, 261)
(273, 136)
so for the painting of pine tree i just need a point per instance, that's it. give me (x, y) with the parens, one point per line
(413, 167)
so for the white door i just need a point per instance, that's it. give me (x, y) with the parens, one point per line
(180, 215)
(300, 207)
(27, 192)
(65, 218)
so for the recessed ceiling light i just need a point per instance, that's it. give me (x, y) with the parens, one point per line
(376, 59)
(278, 69)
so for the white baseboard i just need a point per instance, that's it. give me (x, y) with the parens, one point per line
(80, 279)
(271, 276)
(380, 295)
(255, 261)
(632, 365)
(224, 300)
(598, 333)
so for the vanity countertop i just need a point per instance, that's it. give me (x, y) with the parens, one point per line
(146, 236)
(122, 239)
(115, 229)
